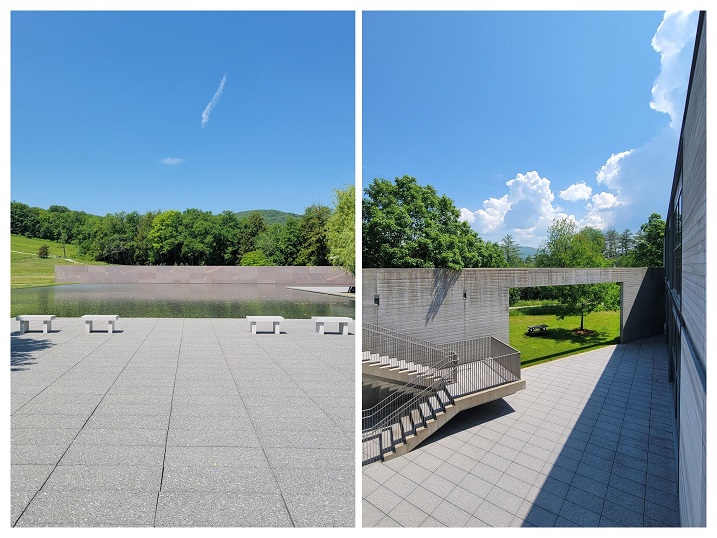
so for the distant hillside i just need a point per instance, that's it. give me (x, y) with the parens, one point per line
(527, 251)
(270, 216)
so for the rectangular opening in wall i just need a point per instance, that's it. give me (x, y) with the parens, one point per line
(549, 322)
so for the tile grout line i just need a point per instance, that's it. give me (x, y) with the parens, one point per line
(81, 427)
(169, 423)
(253, 425)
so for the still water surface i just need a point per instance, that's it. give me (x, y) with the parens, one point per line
(178, 301)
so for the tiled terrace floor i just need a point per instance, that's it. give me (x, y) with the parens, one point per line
(589, 442)
(182, 422)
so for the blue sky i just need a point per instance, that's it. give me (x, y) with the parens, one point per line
(523, 117)
(138, 111)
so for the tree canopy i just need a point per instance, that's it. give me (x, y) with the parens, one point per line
(192, 236)
(405, 224)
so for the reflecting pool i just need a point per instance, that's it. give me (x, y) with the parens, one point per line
(178, 301)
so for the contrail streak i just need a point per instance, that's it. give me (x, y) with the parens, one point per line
(257, 86)
(213, 102)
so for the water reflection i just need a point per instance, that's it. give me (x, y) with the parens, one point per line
(178, 301)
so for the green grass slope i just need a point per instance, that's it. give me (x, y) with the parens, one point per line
(27, 270)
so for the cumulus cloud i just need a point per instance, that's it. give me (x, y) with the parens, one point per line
(172, 161)
(208, 109)
(466, 215)
(671, 41)
(604, 200)
(607, 175)
(525, 211)
(576, 192)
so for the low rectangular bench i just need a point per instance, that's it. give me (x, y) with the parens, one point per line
(321, 320)
(538, 328)
(110, 319)
(25, 320)
(274, 320)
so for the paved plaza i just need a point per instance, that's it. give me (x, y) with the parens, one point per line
(589, 442)
(182, 422)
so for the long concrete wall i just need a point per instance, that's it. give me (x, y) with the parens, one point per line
(159, 274)
(443, 306)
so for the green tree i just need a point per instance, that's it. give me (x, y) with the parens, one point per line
(649, 244)
(341, 230)
(314, 248)
(254, 258)
(510, 251)
(165, 238)
(249, 230)
(24, 220)
(625, 242)
(612, 239)
(281, 242)
(43, 251)
(408, 225)
(568, 247)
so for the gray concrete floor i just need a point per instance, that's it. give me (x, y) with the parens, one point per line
(182, 422)
(589, 442)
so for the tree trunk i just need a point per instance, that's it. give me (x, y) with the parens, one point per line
(582, 316)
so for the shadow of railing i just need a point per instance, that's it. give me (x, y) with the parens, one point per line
(469, 418)
(22, 351)
(617, 466)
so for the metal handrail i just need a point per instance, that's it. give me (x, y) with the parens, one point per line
(458, 369)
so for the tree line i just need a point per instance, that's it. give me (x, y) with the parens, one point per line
(320, 236)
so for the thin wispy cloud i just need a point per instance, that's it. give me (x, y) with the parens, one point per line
(257, 86)
(171, 161)
(213, 102)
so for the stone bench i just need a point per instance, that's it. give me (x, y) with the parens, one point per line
(25, 320)
(110, 319)
(274, 320)
(321, 320)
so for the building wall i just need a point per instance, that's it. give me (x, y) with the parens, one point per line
(159, 274)
(444, 306)
(686, 294)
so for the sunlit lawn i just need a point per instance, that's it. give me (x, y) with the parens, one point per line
(27, 270)
(560, 341)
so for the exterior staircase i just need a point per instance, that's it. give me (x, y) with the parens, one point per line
(425, 386)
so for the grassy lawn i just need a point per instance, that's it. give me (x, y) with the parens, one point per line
(27, 270)
(560, 340)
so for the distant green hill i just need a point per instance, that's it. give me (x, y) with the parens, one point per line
(270, 216)
(524, 252)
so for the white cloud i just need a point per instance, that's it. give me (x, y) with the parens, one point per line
(607, 175)
(493, 213)
(526, 211)
(466, 215)
(605, 200)
(172, 161)
(671, 41)
(578, 191)
(208, 109)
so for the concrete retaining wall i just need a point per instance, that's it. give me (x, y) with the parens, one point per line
(159, 274)
(443, 306)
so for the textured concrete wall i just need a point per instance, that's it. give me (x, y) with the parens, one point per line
(159, 274)
(447, 306)
(693, 335)
(694, 209)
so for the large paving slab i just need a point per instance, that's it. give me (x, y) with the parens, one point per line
(182, 423)
(589, 442)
